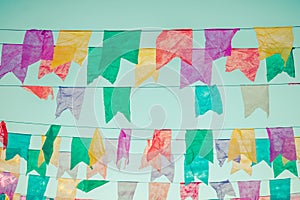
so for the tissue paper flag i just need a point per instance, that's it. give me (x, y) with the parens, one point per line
(123, 147)
(89, 185)
(263, 151)
(297, 143)
(158, 191)
(49, 142)
(223, 188)
(126, 190)
(71, 46)
(116, 100)
(222, 150)
(66, 189)
(190, 190)
(218, 42)
(32, 163)
(12, 165)
(61, 71)
(244, 163)
(279, 166)
(200, 70)
(275, 65)
(98, 167)
(161, 144)
(174, 43)
(280, 188)
(64, 163)
(207, 98)
(79, 151)
(146, 66)
(249, 189)
(8, 184)
(40, 91)
(246, 60)
(155, 162)
(167, 169)
(255, 97)
(37, 186)
(54, 154)
(17, 144)
(69, 98)
(4, 197)
(198, 168)
(3, 134)
(282, 142)
(277, 40)
(11, 61)
(96, 150)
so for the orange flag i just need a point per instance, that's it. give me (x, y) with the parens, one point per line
(161, 144)
(41, 91)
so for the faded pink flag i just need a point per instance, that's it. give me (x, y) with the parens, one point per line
(98, 167)
(40, 91)
(249, 189)
(123, 147)
(8, 184)
(161, 144)
(190, 190)
(64, 164)
(61, 71)
(158, 191)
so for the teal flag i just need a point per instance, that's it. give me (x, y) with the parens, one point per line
(198, 142)
(79, 151)
(32, 163)
(48, 144)
(275, 66)
(263, 151)
(116, 100)
(279, 166)
(18, 144)
(37, 186)
(89, 185)
(280, 189)
(198, 168)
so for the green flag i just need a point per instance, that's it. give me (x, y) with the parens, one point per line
(279, 166)
(280, 189)
(32, 162)
(17, 144)
(50, 138)
(88, 185)
(79, 151)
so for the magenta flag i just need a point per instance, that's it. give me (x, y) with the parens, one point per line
(8, 184)
(123, 147)
(190, 190)
(249, 189)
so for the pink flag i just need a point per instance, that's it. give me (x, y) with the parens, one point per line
(158, 191)
(218, 42)
(61, 71)
(190, 190)
(98, 167)
(161, 144)
(123, 147)
(282, 142)
(3, 134)
(8, 184)
(41, 91)
(174, 43)
(249, 189)
(246, 60)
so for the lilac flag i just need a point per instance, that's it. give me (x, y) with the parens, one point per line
(69, 98)
(201, 69)
(167, 169)
(123, 147)
(126, 190)
(218, 42)
(222, 150)
(11, 61)
(8, 184)
(223, 188)
(282, 142)
(64, 163)
(249, 189)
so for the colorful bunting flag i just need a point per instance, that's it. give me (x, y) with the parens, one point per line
(191, 190)
(89, 185)
(280, 188)
(223, 188)
(198, 168)
(12, 165)
(69, 98)
(158, 191)
(37, 186)
(8, 184)
(116, 100)
(126, 190)
(167, 169)
(275, 40)
(17, 144)
(174, 43)
(66, 189)
(161, 144)
(3, 134)
(96, 150)
(61, 71)
(54, 154)
(98, 167)
(279, 166)
(297, 144)
(263, 151)
(123, 147)
(218, 42)
(40, 91)
(3, 197)
(79, 151)
(64, 164)
(200, 70)
(32, 163)
(255, 97)
(246, 60)
(155, 162)
(222, 150)
(207, 98)
(249, 190)
(244, 163)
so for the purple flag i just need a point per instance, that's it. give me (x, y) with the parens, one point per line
(167, 169)
(11, 61)
(222, 150)
(282, 142)
(249, 189)
(8, 184)
(223, 188)
(69, 98)
(200, 69)
(218, 42)
(123, 147)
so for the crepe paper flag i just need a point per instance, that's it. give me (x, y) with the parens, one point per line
(37, 44)
(55, 153)
(275, 65)
(98, 167)
(4, 197)
(71, 46)
(64, 163)
(66, 188)
(161, 144)
(223, 188)
(11, 61)
(158, 191)
(37, 186)
(116, 100)
(110, 154)
(69, 98)
(40, 91)
(198, 168)
(155, 162)
(126, 190)
(167, 169)
(297, 144)
(263, 151)
(89, 185)
(17, 144)
(280, 188)
(255, 97)
(32, 163)
(96, 150)
(246, 60)
(3, 134)
(279, 166)
(19, 197)
(50, 140)
(222, 150)
(93, 71)
(61, 71)
(146, 66)
(12, 165)
(275, 40)
(123, 147)
(79, 151)
(198, 142)
(207, 98)
(174, 43)
(295, 196)
(8, 184)
(244, 164)
(200, 70)
(191, 190)
(282, 142)
(249, 190)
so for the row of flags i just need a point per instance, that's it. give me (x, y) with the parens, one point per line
(274, 44)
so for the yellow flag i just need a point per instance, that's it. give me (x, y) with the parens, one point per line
(12, 165)
(55, 154)
(245, 164)
(96, 150)
(71, 46)
(66, 189)
(297, 143)
(275, 41)
(146, 66)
